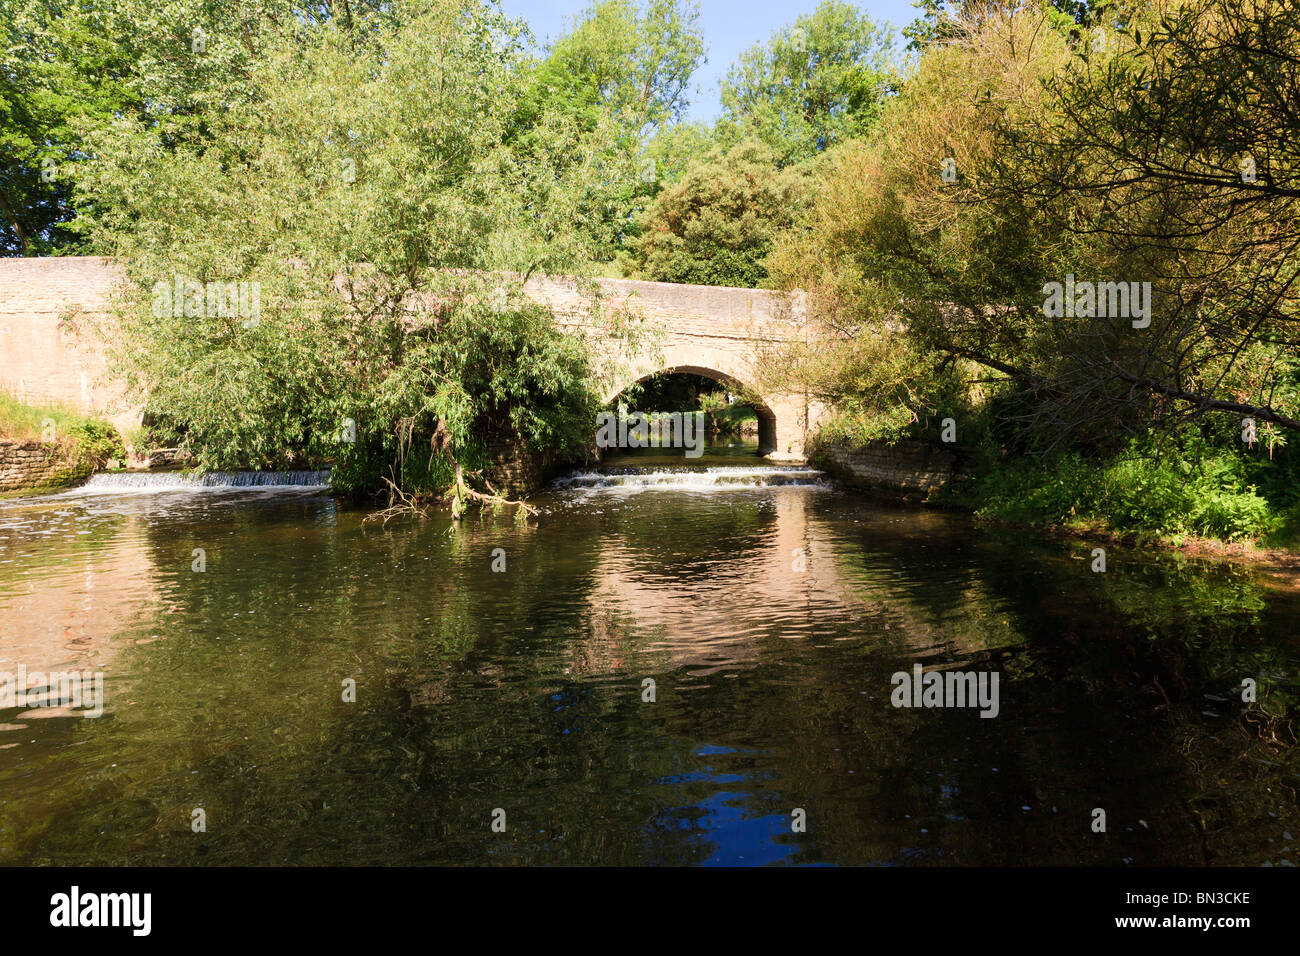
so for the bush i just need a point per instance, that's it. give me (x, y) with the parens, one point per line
(715, 226)
(1189, 488)
(85, 443)
(98, 441)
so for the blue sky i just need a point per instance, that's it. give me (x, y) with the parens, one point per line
(729, 26)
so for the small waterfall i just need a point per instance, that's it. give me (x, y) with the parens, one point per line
(179, 481)
(686, 478)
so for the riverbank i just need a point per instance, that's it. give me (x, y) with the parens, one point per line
(1221, 506)
(1183, 493)
(1280, 564)
(48, 447)
(32, 467)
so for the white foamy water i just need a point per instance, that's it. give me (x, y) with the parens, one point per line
(179, 481)
(686, 479)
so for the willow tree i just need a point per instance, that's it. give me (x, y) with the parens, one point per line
(366, 190)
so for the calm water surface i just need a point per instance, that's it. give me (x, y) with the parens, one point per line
(770, 611)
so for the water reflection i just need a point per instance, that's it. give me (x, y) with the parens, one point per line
(770, 620)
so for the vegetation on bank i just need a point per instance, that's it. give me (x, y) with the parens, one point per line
(1162, 488)
(84, 442)
(731, 420)
(1088, 150)
(727, 410)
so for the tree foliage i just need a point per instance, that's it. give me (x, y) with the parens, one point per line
(67, 69)
(1171, 150)
(618, 60)
(716, 224)
(622, 67)
(817, 82)
(373, 192)
(1024, 152)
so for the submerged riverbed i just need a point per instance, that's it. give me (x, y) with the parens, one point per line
(506, 668)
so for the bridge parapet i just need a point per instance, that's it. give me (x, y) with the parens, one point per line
(717, 310)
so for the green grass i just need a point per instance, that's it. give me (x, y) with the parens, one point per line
(24, 422)
(88, 442)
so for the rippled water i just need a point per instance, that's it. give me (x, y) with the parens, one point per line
(769, 608)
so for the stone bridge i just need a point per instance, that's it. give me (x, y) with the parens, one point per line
(48, 354)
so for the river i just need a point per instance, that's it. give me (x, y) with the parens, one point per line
(676, 663)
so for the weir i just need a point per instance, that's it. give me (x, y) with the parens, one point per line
(690, 479)
(179, 481)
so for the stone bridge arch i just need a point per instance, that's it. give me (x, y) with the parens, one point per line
(711, 331)
(767, 418)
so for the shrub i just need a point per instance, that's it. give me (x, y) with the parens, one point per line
(1190, 488)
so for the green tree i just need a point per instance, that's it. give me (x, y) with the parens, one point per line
(939, 22)
(668, 154)
(716, 224)
(48, 71)
(816, 83)
(372, 193)
(934, 25)
(67, 69)
(620, 61)
(621, 67)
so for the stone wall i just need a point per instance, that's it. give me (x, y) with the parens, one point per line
(37, 465)
(49, 351)
(912, 470)
(515, 471)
